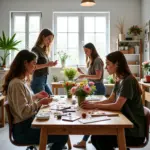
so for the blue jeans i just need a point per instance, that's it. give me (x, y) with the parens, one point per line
(40, 84)
(24, 134)
(100, 90)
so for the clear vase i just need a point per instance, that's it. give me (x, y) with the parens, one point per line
(80, 99)
(63, 63)
(69, 95)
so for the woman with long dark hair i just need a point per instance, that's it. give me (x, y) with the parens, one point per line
(42, 49)
(24, 104)
(125, 97)
(95, 74)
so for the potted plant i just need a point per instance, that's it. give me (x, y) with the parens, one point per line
(63, 57)
(120, 27)
(135, 31)
(7, 44)
(146, 68)
(82, 90)
(70, 73)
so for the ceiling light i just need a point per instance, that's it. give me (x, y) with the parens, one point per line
(87, 3)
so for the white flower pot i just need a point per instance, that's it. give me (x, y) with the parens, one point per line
(121, 37)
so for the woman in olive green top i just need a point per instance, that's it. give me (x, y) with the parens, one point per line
(126, 97)
(41, 48)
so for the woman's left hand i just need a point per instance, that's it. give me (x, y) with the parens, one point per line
(41, 94)
(88, 105)
(82, 76)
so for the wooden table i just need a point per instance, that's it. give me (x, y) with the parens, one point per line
(2, 100)
(57, 85)
(145, 91)
(115, 126)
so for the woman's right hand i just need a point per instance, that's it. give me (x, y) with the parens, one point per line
(79, 70)
(46, 101)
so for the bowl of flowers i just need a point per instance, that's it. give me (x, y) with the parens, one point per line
(82, 90)
(68, 85)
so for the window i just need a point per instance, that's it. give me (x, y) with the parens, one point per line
(73, 30)
(27, 26)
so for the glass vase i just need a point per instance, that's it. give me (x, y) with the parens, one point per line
(80, 99)
(69, 95)
(63, 63)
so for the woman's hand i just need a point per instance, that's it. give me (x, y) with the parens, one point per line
(46, 101)
(88, 105)
(79, 70)
(41, 94)
(52, 63)
(81, 76)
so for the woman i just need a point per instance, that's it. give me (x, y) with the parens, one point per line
(95, 74)
(23, 104)
(41, 48)
(126, 97)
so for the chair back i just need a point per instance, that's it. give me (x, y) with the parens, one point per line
(10, 122)
(147, 117)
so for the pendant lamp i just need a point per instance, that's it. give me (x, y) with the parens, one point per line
(87, 3)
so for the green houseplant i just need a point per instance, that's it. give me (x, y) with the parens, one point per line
(70, 73)
(7, 44)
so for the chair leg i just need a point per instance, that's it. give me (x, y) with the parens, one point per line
(69, 143)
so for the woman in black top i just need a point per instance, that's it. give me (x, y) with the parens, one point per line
(126, 97)
(41, 48)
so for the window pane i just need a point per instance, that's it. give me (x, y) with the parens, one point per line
(100, 24)
(100, 38)
(20, 37)
(19, 24)
(62, 40)
(61, 24)
(89, 24)
(32, 39)
(34, 23)
(73, 24)
(73, 40)
(89, 37)
(74, 57)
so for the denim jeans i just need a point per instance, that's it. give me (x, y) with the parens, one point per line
(100, 90)
(39, 84)
(24, 134)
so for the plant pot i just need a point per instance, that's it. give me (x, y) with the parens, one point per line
(121, 37)
(63, 63)
(80, 99)
(135, 37)
(147, 78)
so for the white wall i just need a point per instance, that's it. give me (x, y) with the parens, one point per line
(130, 9)
(145, 17)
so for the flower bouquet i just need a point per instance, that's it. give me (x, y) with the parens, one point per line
(68, 85)
(70, 73)
(82, 90)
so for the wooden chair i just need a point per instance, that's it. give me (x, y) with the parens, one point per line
(147, 115)
(10, 122)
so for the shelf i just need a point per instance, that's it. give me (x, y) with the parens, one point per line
(129, 41)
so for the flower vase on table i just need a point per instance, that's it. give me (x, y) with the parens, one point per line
(80, 99)
(146, 68)
(69, 95)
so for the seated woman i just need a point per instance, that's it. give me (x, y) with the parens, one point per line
(23, 104)
(126, 97)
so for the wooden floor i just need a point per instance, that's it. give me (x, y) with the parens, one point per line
(6, 145)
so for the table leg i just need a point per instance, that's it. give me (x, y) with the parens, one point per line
(43, 139)
(121, 139)
(56, 91)
(53, 90)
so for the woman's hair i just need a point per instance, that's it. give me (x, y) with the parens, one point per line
(94, 54)
(44, 33)
(17, 67)
(123, 69)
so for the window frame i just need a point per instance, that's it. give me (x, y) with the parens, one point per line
(81, 16)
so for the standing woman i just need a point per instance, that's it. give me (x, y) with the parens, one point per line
(95, 74)
(125, 97)
(42, 49)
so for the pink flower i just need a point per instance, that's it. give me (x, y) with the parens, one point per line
(73, 90)
(87, 89)
(91, 83)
